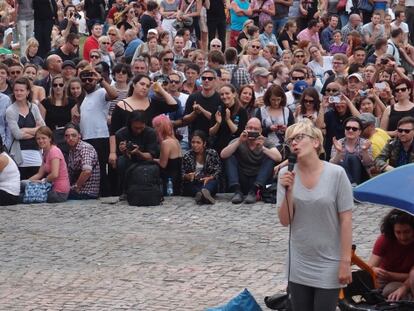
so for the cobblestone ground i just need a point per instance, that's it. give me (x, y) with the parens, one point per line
(178, 256)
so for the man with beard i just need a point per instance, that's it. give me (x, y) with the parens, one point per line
(93, 118)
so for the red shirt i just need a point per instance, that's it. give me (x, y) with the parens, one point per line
(90, 44)
(394, 256)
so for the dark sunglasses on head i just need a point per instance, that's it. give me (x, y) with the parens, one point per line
(403, 89)
(406, 131)
(352, 128)
(58, 84)
(166, 59)
(207, 78)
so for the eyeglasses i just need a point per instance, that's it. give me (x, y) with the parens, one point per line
(256, 46)
(300, 55)
(337, 63)
(352, 128)
(122, 71)
(207, 78)
(168, 59)
(58, 84)
(174, 81)
(88, 80)
(297, 139)
(71, 135)
(106, 43)
(95, 56)
(306, 101)
(406, 131)
(216, 46)
(331, 90)
(112, 34)
(403, 89)
(297, 78)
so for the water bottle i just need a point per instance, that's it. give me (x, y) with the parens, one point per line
(170, 189)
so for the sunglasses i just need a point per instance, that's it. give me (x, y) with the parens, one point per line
(332, 90)
(174, 81)
(122, 71)
(297, 78)
(406, 131)
(305, 101)
(112, 34)
(95, 56)
(106, 43)
(207, 78)
(300, 55)
(87, 80)
(256, 46)
(403, 89)
(168, 59)
(352, 128)
(58, 84)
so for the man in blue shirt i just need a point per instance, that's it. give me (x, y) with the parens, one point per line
(327, 33)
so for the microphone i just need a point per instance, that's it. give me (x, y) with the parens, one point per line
(292, 161)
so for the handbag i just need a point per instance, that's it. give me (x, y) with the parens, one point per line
(36, 192)
(256, 17)
(341, 5)
(279, 302)
(186, 22)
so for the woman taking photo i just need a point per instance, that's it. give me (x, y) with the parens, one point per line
(309, 105)
(274, 115)
(9, 178)
(117, 45)
(107, 55)
(247, 100)
(24, 119)
(403, 107)
(200, 170)
(170, 153)
(393, 253)
(53, 168)
(316, 200)
(158, 103)
(353, 153)
(128, 21)
(229, 120)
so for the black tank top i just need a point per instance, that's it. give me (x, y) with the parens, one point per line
(29, 122)
(396, 116)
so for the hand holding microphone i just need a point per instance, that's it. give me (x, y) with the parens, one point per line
(288, 179)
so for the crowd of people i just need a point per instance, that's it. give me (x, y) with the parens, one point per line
(207, 90)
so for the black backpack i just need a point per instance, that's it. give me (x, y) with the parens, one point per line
(142, 184)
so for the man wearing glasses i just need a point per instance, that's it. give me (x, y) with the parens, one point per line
(167, 65)
(201, 105)
(70, 49)
(400, 150)
(339, 64)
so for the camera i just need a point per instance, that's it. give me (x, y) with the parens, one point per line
(380, 86)
(334, 99)
(253, 134)
(363, 93)
(130, 146)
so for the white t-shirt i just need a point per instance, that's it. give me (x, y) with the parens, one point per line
(184, 129)
(93, 115)
(403, 26)
(10, 177)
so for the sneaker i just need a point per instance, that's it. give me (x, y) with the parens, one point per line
(251, 198)
(199, 198)
(207, 196)
(237, 198)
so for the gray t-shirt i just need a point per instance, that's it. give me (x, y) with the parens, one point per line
(315, 242)
(25, 10)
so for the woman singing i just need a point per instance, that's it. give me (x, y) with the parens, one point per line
(316, 200)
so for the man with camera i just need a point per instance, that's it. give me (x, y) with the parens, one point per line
(136, 143)
(70, 23)
(249, 159)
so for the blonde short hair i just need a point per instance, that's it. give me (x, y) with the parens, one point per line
(306, 127)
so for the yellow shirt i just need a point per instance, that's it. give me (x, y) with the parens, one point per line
(378, 141)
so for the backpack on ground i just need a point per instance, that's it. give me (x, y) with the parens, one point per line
(142, 184)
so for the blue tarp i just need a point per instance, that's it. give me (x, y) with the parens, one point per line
(394, 188)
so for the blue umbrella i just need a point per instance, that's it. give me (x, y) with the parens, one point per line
(394, 188)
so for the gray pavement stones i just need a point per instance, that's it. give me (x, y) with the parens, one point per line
(95, 255)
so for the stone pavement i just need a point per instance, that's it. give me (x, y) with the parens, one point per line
(178, 256)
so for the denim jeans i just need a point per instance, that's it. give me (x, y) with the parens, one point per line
(278, 24)
(190, 189)
(354, 169)
(25, 29)
(235, 177)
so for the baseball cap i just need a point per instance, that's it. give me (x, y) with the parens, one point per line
(154, 31)
(69, 63)
(356, 75)
(260, 71)
(367, 118)
(299, 87)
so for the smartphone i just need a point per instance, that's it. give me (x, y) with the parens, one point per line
(380, 86)
(253, 134)
(363, 93)
(334, 99)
